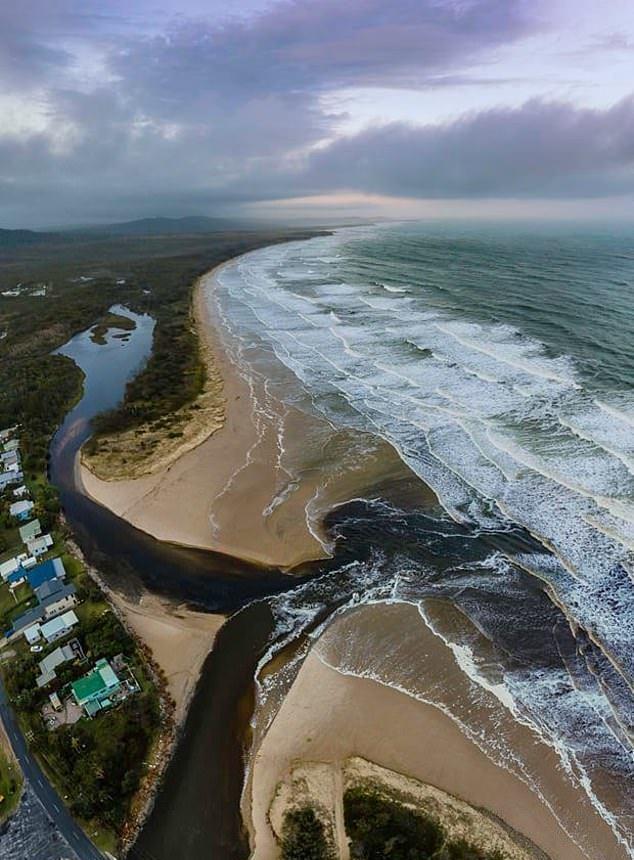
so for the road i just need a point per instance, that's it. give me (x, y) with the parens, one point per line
(46, 794)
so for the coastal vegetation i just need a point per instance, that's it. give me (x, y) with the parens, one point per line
(10, 780)
(304, 836)
(379, 827)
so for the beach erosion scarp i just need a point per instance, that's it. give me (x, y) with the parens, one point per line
(226, 486)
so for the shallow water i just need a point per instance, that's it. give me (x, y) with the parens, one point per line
(500, 365)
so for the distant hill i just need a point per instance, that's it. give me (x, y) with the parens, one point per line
(20, 238)
(160, 226)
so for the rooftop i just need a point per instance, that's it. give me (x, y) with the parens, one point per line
(51, 569)
(30, 530)
(96, 683)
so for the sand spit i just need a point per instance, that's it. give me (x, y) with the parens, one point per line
(328, 717)
(322, 786)
(231, 493)
(178, 637)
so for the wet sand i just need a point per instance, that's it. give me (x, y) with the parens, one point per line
(231, 493)
(328, 716)
(178, 637)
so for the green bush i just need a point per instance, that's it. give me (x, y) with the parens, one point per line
(381, 829)
(303, 836)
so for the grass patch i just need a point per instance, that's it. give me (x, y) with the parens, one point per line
(10, 785)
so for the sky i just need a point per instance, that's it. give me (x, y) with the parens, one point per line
(303, 109)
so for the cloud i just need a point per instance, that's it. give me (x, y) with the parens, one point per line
(216, 105)
(540, 149)
(142, 114)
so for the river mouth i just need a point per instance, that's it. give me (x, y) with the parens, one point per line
(509, 633)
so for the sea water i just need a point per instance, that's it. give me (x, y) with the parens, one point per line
(499, 362)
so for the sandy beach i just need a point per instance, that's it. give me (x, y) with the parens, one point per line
(178, 637)
(328, 717)
(230, 492)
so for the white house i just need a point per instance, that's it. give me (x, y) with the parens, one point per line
(49, 664)
(8, 567)
(39, 545)
(20, 492)
(33, 634)
(62, 604)
(21, 509)
(12, 564)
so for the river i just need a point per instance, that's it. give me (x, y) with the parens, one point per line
(198, 806)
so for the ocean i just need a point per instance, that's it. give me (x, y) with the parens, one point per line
(498, 361)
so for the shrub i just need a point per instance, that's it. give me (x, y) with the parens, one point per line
(379, 828)
(303, 836)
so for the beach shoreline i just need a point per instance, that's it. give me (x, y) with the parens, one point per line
(229, 492)
(330, 715)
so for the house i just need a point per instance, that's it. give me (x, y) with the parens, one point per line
(60, 601)
(32, 634)
(21, 510)
(11, 445)
(21, 491)
(94, 691)
(7, 433)
(10, 566)
(14, 569)
(61, 655)
(55, 701)
(10, 460)
(10, 477)
(58, 626)
(30, 530)
(32, 618)
(46, 570)
(17, 577)
(39, 545)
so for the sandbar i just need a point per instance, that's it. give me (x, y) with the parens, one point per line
(328, 716)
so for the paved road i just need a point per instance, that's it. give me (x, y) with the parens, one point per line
(42, 788)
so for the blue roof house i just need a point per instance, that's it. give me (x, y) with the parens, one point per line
(41, 573)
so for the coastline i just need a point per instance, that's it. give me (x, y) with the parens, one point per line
(229, 492)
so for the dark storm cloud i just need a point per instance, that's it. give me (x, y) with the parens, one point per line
(209, 112)
(311, 47)
(212, 106)
(540, 149)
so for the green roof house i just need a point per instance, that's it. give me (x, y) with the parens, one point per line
(30, 531)
(93, 692)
